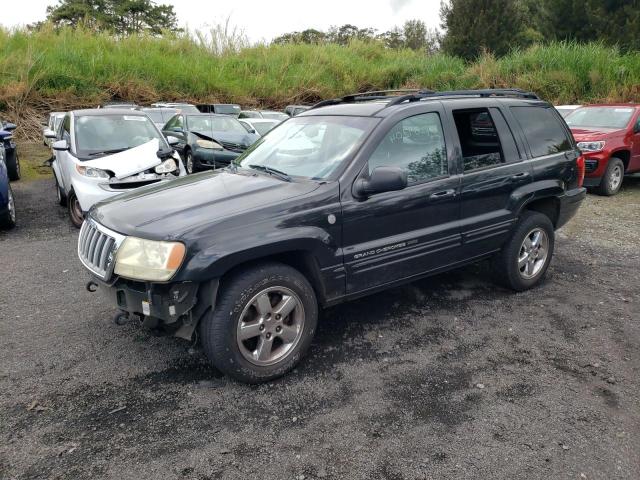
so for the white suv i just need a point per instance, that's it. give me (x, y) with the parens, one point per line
(105, 152)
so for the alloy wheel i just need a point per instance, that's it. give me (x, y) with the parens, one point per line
(615, 179)
(270, 326)
(76, 211)
(189, 163)
(533, 253)
(12, 207)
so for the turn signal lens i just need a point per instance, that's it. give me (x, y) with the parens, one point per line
(581, 167)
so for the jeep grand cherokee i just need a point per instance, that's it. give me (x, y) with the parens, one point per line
(356, 195)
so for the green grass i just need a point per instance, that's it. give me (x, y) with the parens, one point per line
(32, 155)
(75, 68)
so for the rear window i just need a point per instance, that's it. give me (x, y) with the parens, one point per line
(543, 130)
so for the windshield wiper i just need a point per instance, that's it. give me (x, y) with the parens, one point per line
(108, 152)
(271, 171)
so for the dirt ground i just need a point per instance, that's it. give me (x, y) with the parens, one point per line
(447, 378)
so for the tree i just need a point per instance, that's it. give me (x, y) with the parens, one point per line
(120, 16)
(474, 26)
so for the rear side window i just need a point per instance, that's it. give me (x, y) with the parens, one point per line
(415, 144)
(479, 139)
(543, 130)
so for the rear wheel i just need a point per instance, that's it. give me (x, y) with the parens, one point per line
(262, 324)
(8, 219)
(523, 261)
(612, 178)
(75, 210)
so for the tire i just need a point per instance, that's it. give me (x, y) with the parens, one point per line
(612, 178)
(13, 167)
(240, 299)
(189, 163)
(8, 218)
(75, 211)
(60, 196)
(516, 273)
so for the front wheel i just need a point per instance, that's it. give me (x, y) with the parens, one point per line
(13, 167)
(262, 324)
(75, 210)
(8, 218)
(523, 261)
(189, 165)
(612, 178)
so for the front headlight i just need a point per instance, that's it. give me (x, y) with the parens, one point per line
(590, 146)
(149, 260)
(208, 144)
(167, 166)
(91, 172)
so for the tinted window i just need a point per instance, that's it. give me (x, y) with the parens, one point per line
(415, 144)
(478, 139)
(542, 129)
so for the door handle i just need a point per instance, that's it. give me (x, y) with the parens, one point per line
(442, 195)
(520, 176)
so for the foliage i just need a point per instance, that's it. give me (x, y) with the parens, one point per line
(123, 17)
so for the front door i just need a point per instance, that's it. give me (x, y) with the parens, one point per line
(396, 235)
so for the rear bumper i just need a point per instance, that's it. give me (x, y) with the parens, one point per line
(569, 204)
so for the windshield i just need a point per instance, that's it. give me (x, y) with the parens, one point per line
(311, 147)
(275, 116)
(263, 127)
(204, 123)
(96, 134)
(603, 117)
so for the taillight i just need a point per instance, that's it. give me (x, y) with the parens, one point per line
(580, 164)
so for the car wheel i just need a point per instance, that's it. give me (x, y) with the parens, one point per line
(262, 324)
(60, 196)
(612, 178)
(523, 261)
(75, 210)
(8, 219)
(13, 167)
(189, 165)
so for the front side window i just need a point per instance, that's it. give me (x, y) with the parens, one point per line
(98, 135)
(543, 130)
(416, 145)
(312, 147)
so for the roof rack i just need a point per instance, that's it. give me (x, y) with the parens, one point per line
(414, 95)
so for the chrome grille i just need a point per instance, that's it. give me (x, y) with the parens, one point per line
(97, 246)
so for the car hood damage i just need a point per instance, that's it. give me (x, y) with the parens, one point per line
(129, 162)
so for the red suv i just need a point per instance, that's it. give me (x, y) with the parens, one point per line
(609, 137)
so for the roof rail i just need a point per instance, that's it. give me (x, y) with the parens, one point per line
(414, 95)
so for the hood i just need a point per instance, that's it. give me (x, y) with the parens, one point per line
(582, 134)
(131, 161)
(239, 138)
(172, 209)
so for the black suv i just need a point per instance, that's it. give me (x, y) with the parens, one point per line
(356, 195)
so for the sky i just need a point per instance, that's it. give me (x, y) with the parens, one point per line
(262, 20)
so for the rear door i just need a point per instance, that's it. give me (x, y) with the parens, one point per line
(493, 168)
(63, 157)
(397, 235)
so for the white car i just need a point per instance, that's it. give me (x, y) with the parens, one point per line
(53, 123)
(102, 153)
(566, 109)
(259, 125)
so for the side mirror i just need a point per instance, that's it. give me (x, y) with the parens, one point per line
(382, 179)
(176, 129)
(9, 126)
(48, 133)
(172, 141)
(60, 145)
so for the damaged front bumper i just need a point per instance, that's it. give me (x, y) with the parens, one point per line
(175, 307)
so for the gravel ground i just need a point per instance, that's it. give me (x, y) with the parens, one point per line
(446, 378)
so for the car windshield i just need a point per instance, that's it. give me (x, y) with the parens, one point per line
(275, 115)
(97, 134)
(603, 117)
(263, 127)
(311, 147)
(204, 123)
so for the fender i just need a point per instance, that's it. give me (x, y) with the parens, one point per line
(56, 171)
(216, 260)
(534, 191)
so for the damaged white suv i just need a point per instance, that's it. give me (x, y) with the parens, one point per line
(102, 153)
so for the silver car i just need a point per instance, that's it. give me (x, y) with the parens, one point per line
(102, 153)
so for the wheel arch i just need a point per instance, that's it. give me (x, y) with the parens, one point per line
(624, 155)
